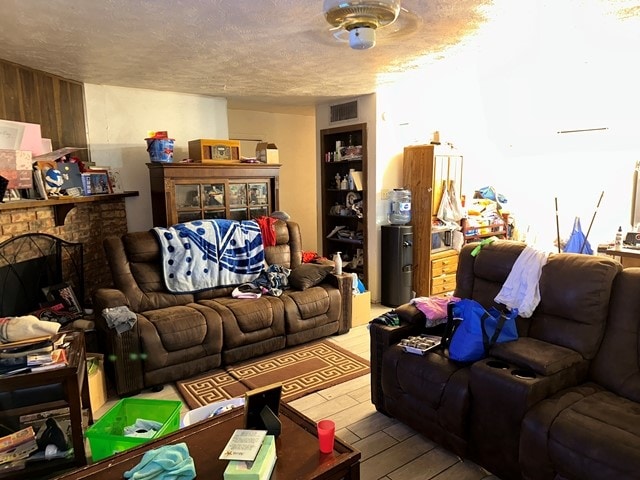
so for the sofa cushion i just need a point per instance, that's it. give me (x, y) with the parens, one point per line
(308, 275)
(246, 321)
(541, 357)
(178, 327)
(589, 433)
(310, 302)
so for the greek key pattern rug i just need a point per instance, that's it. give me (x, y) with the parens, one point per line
(302, 370)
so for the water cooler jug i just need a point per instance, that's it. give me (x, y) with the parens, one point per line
(397, 264)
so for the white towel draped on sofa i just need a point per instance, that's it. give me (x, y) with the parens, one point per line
(205, 254)
(521, 289)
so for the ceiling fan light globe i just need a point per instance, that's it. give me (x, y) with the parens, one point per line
(362, 38)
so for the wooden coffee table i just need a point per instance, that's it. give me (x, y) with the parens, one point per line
(297, 448)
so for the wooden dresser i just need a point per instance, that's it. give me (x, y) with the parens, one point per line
(443, 271)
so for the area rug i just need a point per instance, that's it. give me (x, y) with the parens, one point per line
(301, 370)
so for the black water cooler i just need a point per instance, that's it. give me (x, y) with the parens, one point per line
(397, 264)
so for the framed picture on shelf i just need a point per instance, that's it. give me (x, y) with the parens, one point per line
(99, 181)
(115, 177)
(63, 293)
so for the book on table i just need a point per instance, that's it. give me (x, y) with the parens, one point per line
(258, 469)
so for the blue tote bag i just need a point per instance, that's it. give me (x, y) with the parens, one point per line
(478, 329)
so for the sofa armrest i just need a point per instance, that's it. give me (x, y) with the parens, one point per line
(382, 337)
(344, 283)
(541, 357)
(124, 362)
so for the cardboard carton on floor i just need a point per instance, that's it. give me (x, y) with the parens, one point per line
(360, 308)
(97, 383)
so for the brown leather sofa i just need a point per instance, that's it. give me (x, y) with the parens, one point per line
(176, 336)
(561, 402)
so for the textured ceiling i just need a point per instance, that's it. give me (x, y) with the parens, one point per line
(264, 51)
(253, 52)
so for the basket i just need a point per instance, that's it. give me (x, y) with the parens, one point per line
(106, 436)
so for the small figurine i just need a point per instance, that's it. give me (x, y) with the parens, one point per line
(53, 180)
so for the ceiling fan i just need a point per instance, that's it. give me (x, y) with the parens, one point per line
(360, 20)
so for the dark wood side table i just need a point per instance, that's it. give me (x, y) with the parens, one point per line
(65, 387)
(297, 449)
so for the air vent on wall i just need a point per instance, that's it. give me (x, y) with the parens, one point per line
(344, 111)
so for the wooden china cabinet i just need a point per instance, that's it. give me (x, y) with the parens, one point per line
(182, 192)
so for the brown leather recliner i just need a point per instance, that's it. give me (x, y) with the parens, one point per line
(476, 410)
(592, 431)
(178, 336)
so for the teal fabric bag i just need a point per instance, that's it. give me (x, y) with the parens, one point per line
(472, 330)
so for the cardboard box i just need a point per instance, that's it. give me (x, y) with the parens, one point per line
(21, 136)
(15, 166)
(267, 152)
(360, 308)
(97, 382)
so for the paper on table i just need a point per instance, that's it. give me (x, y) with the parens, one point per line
(243, 445)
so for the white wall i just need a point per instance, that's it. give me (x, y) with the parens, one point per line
(295, 137)
(119, 119)
(501, 100)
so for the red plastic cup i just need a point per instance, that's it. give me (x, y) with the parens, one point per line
(326, 435)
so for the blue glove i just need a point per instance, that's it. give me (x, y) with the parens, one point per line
(170, 462)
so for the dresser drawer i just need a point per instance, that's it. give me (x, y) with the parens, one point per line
(443, 266)
(443, 283)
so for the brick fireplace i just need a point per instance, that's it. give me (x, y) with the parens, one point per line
(88, 223)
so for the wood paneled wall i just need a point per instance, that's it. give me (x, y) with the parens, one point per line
(57, 104)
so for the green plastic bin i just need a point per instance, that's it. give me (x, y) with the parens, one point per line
(106, 436)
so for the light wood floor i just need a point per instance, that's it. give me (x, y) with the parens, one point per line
(390, 450)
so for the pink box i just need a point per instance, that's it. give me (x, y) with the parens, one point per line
(16, 166)
(21, 136)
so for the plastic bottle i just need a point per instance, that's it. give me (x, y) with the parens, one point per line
(618, 243)
(399, 206)
(337, 261)
(344, 184)
(351, 183)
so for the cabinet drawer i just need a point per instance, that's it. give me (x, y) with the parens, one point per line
(443, 283)
(444, 265)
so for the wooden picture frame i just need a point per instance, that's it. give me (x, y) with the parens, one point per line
(99, 180)
(261, 408)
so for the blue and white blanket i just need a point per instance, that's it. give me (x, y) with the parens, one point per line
(210, 253)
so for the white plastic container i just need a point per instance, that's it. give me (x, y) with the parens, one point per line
(207, 411)
(337, 261)
(399, 206)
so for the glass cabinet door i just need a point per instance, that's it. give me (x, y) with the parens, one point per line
(258, 194)
(237, 195)
(214, 201)
(187, 196)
